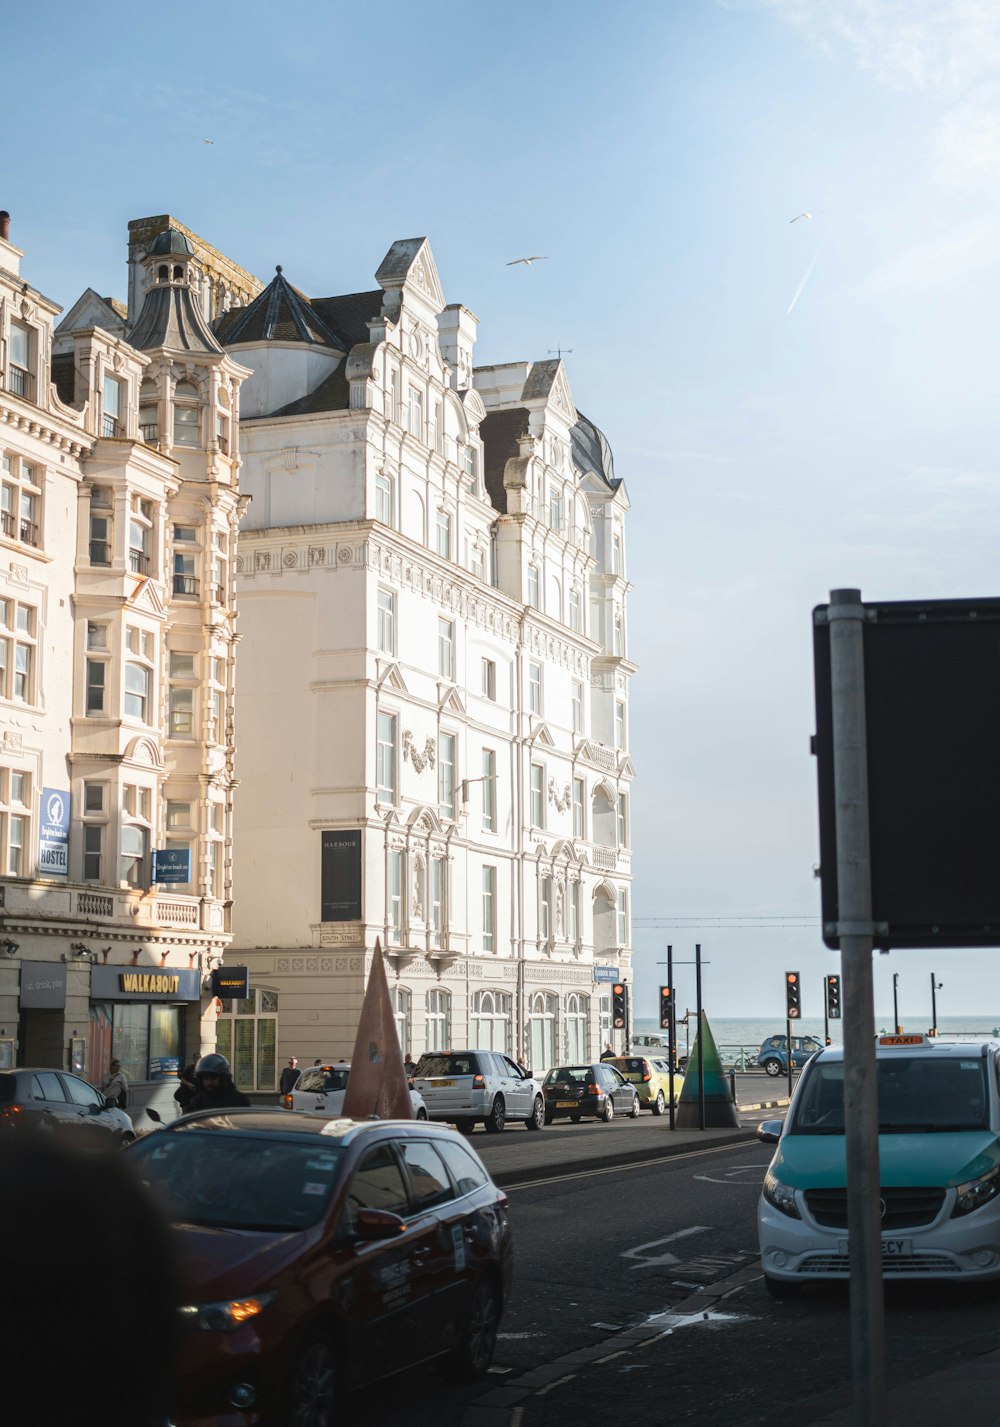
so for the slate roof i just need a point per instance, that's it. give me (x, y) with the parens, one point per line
(281, 313)
(332, 394)
(500, 431)
(347, 317)
(591, 451)
(171, 318)
(171, 240)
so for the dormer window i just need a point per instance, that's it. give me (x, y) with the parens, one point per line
(187, 415)
(20, 353)
(111, 419)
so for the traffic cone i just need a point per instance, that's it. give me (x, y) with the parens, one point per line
(377, 1085)
(720, 1110)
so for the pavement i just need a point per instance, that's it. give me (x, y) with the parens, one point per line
(966, 1391)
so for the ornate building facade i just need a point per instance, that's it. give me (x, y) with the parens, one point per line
(434, 680)
(119, 509)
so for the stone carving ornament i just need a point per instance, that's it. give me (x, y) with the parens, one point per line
(560, 801)
(419, 760)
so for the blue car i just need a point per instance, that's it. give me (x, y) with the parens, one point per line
(773, 1055)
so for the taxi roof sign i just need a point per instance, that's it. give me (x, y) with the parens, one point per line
(903, 1040)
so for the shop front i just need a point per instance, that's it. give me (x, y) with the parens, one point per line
(149, 1021)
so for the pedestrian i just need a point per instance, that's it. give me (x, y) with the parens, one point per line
(115, 1085)
(185, 1088)
(608, 1053)
(409, 1064)
(289, 1076)
(89, 1241)
(214, 1087)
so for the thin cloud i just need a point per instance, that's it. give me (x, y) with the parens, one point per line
(953, 256)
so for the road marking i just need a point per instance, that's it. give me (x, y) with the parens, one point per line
(631, 1164)
(651, 1261)
(733, 1170)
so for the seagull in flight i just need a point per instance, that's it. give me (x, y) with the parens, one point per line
(798, 216)
(208, 141)
(538, 258)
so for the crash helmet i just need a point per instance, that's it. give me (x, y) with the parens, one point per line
(213, 1064)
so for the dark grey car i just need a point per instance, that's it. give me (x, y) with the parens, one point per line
(55, 1102)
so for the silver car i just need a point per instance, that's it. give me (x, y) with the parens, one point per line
(322, 1087)
(463, 1086)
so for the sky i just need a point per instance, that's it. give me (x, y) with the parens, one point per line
(796, 405)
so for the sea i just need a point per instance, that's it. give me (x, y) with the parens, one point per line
(732, 1032)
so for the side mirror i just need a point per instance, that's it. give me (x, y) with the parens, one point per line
(769, 1131)
(378, 1224)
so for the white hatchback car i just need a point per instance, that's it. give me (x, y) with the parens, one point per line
(463, 1086)
(321, 1087)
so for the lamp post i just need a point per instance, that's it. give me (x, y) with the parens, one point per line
(895, 1003)
(936, 986)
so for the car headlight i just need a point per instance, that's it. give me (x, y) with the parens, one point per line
(781, 1196)
(976, 1192)
(225, 1317)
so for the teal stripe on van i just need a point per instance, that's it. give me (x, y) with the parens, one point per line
(905, 1161)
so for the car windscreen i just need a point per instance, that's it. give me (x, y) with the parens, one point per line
(569, 1075)
(436, 1065)
(238, 1181)
(916, 1094)
(630, 1065)
(320, 1078)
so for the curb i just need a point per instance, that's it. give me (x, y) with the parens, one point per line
(625, 1159)
(766, 1104)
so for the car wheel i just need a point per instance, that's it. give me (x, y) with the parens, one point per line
(537, 1118)
(465, 1127)
(472, 1357)
(575, 1118)
(773, 1067)
(608, 1113)
(548, 1119)
(633, 1114)
(497, 1117)
(311, 1398)
(421, 1114)
(659, 1104)
(781, 1288)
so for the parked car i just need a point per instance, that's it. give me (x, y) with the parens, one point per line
(323, 1254)
(651, 1077)
(939, 1167)
(468, 1085)
(322, 1087)
(55, 1102)
(773, 1054)
(598, 1090)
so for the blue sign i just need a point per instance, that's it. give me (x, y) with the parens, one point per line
(606, 973)
(53, 834)
(171, 864)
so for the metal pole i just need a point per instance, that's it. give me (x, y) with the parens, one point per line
(934, 987)
(895, 1004)
(673, 1034)
(788, 1052)
(701, 1048)
(826, 1015)
(850, 763)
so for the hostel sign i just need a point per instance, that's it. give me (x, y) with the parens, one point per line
(53, 834)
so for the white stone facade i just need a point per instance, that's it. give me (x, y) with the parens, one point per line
(106, 495)
(433, 686)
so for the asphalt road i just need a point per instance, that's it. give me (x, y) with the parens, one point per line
(666, 1244)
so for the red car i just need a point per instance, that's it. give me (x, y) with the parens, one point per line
(321, 1254)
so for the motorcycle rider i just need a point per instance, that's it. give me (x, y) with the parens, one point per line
(214, 1088)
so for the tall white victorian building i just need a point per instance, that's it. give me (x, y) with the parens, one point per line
(433, 679)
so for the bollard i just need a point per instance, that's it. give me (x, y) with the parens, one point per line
(732, 1083)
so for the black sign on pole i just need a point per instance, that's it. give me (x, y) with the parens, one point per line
(932, 691)
(340, 877)
(231, 983)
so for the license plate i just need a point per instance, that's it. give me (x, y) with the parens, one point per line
(891, 1248)
(441, 1084)
(565, 1104)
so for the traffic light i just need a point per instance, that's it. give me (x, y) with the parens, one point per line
(793, 1003)
(666, 1006)
(833, 998)
(619, 1006)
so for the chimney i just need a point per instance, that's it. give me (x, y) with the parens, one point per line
(4, 225)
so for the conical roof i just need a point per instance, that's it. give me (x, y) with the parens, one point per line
(278, 314)
(171, 318)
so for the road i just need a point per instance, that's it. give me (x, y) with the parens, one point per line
(671, 1245)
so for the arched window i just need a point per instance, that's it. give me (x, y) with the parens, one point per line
(438, 1020)
(402, 1003)
(542, 1016)
(577, 1027)
(605, 818)
(187, 415)
(162, 273)
(491, 1026)
(605, 926)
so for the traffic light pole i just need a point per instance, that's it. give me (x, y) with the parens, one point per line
(855, 931)
(672, 1035)
(701, 1048)
(826, 1014)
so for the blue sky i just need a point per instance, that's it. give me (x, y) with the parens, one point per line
(656, 152)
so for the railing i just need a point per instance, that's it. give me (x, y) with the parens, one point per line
(138, 562)
(219, 594)
(92, 904)
(7, 523)
(110, 426)
(29, 532)
(602, 757)
(606, 857)
(185, 585)
(19, 381)
(181, 913)
(100, 552)
(149, 431)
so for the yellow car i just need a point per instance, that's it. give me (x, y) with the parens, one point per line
(650, 1075)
